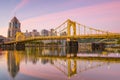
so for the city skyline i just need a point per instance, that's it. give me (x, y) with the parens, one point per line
(40, 14)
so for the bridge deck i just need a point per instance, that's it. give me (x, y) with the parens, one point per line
(66, 37)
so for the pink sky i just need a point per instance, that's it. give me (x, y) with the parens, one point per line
(20, 5)
(104, 16)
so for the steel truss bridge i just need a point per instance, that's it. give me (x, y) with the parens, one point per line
(69, 30)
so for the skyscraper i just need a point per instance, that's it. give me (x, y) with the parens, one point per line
(14, 26)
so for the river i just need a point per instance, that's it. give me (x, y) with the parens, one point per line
(48, 63)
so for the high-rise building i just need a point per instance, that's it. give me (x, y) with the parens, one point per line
(52, 33)
(44, 32)
(14, 27)
(34, 33)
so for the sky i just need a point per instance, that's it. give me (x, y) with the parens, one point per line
(47, 14)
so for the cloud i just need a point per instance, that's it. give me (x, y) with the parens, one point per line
(103, 16)
(20, 5)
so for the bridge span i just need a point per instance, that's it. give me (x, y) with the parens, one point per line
(73, 31)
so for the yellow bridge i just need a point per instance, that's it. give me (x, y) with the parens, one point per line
(69, 30)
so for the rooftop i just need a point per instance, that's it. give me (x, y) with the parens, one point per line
(14, 19)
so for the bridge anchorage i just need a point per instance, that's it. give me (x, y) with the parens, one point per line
(69, 31)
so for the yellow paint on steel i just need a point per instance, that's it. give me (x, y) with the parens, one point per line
(20, 36)
(66, 37)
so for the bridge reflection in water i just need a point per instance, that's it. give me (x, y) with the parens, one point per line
(66, 61)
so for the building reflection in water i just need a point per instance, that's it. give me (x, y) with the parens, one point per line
(13, 63)
(65, 60)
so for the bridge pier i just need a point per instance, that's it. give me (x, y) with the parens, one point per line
(20, 46)
(98, 46)
(72, 43)
(72, 48)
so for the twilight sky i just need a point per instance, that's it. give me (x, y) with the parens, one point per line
(40, 14)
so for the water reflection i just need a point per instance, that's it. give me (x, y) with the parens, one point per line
(33, 54)
(13, 63)
(65, 60)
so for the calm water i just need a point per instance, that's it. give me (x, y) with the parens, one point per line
(56, 64)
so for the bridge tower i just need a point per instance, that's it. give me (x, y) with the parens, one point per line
(69, 25)
(71, 42)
